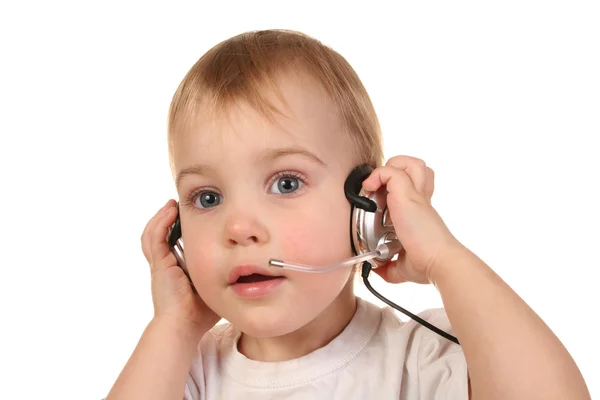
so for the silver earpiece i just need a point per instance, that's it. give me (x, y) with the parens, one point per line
(372, 229)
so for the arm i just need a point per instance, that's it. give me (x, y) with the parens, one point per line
(510, 352)
(159, 365)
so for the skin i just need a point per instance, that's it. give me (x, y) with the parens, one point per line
(511, 353)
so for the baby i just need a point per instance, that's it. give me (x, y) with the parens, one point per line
(263, 132)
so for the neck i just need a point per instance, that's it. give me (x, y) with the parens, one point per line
(320, 331)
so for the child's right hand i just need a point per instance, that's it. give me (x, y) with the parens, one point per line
(172, 295)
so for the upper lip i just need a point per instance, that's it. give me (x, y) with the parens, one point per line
(248, 269)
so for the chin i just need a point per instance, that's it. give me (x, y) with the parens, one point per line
(265, 331)
(267, 321)
(279, 318)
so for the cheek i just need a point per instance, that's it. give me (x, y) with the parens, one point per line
(322, 236)
(201, 254)
(201, 241)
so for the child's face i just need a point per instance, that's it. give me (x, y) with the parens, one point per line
(261, 194)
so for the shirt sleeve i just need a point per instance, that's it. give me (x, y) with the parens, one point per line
(437, 365)
(191, 392)
(195, 385)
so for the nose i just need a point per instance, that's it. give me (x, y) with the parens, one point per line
(245, 230)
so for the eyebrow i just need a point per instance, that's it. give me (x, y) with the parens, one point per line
(273, 154)
(269, 156)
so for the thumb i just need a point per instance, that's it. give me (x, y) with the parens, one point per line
(396, 182)
(390, 272)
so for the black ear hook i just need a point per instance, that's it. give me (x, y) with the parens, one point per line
(353, 186)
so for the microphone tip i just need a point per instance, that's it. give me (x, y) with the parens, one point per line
(276, 263)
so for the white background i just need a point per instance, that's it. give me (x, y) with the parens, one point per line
(502, 99)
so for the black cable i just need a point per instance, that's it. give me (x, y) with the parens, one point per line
(366, 269)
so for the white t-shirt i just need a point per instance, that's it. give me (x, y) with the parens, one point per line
(377, 356)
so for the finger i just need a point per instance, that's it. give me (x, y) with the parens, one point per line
(150, 228)
(159, 247)
(147, 229)
(396, 182)
(400, 270)
(390, 272)
(414, 167)
(430, 185)
(145, 238)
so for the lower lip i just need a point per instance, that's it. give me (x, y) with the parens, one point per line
(257, 289)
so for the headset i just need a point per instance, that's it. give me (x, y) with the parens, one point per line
(370, 226)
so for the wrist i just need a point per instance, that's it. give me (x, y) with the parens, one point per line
(447, 260)
(184, 331)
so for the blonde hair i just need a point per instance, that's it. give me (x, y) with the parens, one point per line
(244, 67)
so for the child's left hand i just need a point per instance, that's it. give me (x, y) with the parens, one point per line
(420, 229)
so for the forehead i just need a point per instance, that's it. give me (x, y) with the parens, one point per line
(308, 120)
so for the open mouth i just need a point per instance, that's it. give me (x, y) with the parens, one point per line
(256, 278)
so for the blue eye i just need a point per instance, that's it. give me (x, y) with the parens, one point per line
(286, 184)
(207, 200)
